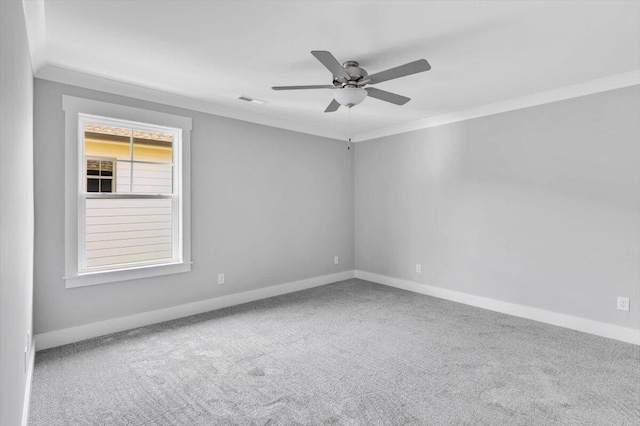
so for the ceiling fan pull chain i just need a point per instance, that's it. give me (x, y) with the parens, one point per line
(349, 141)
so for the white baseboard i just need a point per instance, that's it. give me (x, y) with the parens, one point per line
(27, 389)
(611, 331)
(87, 331)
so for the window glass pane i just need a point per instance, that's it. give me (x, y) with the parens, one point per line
(93, 185)
(105, 185)
(107, 141)
(152, 178)
(152, 146)
(127, 231)
(106, 168)
(93, 167)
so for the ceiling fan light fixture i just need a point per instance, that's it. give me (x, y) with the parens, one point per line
(349, 96)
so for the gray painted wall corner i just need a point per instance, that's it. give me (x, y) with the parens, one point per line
(537, 207)
(269, 206)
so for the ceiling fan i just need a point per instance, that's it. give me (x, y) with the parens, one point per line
(349, 81)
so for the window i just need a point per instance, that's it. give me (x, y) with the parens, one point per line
(130, 193)
(132, 219)
(100, 174)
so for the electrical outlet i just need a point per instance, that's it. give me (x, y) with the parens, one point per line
(336, 260)
(623, 303)
(418, 268)
(220, 278)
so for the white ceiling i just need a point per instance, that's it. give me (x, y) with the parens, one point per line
(480, 52)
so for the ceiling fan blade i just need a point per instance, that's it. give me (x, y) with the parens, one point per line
(330, 62)
(403, 70)
(302, 87)
(333, 106)
(383, 95)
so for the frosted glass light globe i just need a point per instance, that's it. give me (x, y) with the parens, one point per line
(349, 96)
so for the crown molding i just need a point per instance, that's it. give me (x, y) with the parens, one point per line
(75, 78)
(34, 11)
(36, 32)
(613, 82)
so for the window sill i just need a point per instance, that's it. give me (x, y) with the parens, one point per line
(104, 277)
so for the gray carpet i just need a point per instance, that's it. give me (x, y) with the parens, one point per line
(350, 353)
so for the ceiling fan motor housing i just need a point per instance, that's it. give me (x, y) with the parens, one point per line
(355, 74)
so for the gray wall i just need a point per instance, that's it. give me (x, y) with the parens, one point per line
(16, 208)
(538, 206)
(269, 206)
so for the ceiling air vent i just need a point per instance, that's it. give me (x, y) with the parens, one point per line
(253, 100)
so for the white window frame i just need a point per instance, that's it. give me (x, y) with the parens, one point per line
(79, 109)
